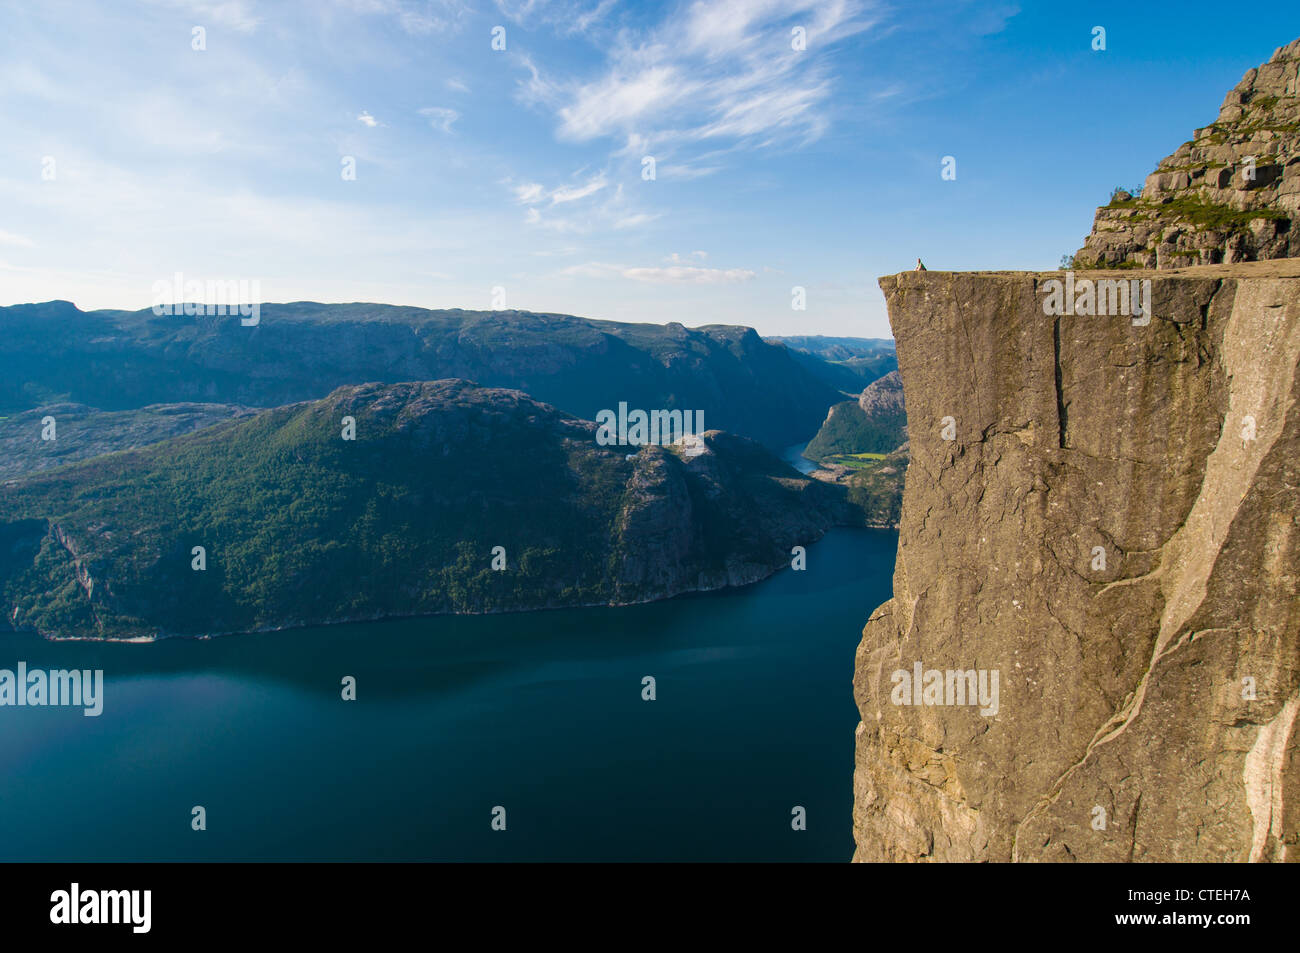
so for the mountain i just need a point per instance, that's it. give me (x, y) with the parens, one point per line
(862, 446)
(1100, 527)
(300, 526)
(847, 364)
(118, 360)
(1231, 193)
(874, 423)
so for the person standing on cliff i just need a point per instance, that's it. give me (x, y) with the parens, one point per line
(919, 266)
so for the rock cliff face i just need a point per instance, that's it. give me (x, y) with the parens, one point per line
(1101, 531)
(1230, 194)
(884, 396)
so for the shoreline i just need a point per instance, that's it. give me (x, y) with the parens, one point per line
(395, 617)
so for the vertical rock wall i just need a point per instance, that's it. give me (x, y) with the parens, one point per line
(1114, 529)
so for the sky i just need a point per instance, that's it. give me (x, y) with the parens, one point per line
(674, 161)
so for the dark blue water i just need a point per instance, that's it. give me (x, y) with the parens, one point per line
(795, 458)
(540, 713)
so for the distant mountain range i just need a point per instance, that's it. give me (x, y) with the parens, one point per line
(118, 360)
(128, 439)
(847, 364)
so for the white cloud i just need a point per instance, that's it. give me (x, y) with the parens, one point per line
(366, 119)
(9, 238)
(440, 117)
(727, 71)
(621, 99)
(635, 219)
(458, 85)
(571, 193)
(675, 274)
(529, 192)
(566, 16)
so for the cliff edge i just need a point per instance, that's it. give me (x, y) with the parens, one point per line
(1093, 647)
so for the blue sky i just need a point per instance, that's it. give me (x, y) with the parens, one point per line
(522, 168)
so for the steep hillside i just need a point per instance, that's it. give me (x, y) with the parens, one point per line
(1231, 193)
(874, 423)
(1098, 577)
(301, 526)
(116, 360)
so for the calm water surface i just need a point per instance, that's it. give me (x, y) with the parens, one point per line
(540, 713)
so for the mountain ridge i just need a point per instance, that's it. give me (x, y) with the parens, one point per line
(118, 360)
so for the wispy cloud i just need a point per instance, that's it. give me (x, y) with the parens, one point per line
(580, 207)
(573, 193)
(416, 17)
(672, 274)
(440, 117)
(533, 193)
(234, 14)
(9, 238)
(636, 219)
(367, 120)
(731, 70)
(564, 16)
(529, 193)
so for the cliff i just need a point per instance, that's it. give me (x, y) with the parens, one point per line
(1109, 544)
(1231, 193)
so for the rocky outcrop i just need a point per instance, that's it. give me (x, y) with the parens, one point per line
(1100, 541)
(883, 397)
(875, 423)
(1230, 194)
